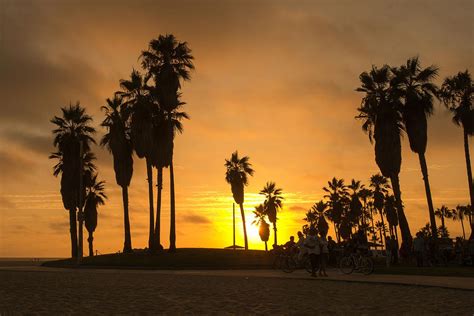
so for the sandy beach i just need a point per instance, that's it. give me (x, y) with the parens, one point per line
(147, 292)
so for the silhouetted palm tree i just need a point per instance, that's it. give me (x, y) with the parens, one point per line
(381, 111)
(355, 206)
(320, 208)
(72, 129)
(418, 93)
(263, 226)
(140, 106)
(273, 203)
(338, 201)
(444, 212)
(365, 194)
(457, 93)
(95, 197)
(458, 215)
(237, 172)
(391, 213)
(118, 142)
(168, 61)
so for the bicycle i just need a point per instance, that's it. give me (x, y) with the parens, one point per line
(356, 262)
(289, 263)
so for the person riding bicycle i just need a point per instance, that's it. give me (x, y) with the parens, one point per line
(290, 246)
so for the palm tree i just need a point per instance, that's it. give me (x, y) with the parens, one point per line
(458, 215)
(168, 61)
(140, 106)
(95, 197)
(237, 172)
(381, 111)
(444, 212)
(263, 226)
(380, 187)
(365, 194)
(338, 200)
(391, 213)
(118, 142)
(418, 93)
(273, 203)
(72, 130)
(320, 209)
(382, 228)
(457, 93)
(355, 206)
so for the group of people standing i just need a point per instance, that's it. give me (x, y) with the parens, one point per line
(316, 246)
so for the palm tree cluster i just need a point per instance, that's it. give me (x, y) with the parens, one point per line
(81, 191)
(144, 117)
(400, 99)
(459, 213)
(354, 207)
(237, 174)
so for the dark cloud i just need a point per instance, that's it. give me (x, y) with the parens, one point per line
(297, 208)
(59, 227)
(195, 219)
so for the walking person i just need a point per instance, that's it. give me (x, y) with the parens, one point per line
(323, 258)
(312, 244)
(418, 248)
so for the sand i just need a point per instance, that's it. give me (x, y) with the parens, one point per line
(145, 292)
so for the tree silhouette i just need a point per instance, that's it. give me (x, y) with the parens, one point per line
(273, 203)
(237, 172)
(338, 201)
(457, 93)
(118, 141)
(95, 197)
(444, 212)
(381, 112)
(418, 92)
(72, 129)
(168, 61)
(263, 226)
(458, 215)
(140, 106)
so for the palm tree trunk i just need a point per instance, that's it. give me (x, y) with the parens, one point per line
(266, 248)
(424, 171)
(275, 233)
(127, 245)
(335, 231)
(396, 233)
(73, 232)
(159, 187)
(384, 241)
(172, 211)
(402, 220)
(468, 167)
(463, 232)
(149, 173)
(245, 227)
(91, 245)
(442, 222)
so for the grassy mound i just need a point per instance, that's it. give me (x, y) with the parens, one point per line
(184, 258)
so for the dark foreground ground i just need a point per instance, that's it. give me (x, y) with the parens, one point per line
(88, 291)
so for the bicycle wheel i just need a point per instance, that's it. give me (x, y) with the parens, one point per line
(288, 265)
(307, 265)
(346, 265)
(366, 265)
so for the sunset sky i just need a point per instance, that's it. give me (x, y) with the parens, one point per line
(274, 80)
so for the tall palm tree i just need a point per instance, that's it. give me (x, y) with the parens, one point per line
(444, 212)
(168, 61)
(458, 215)
(418, 92)
(381, 111)
(140, 106)
(355, 206)
(391, 213)
(118, 142)
(237, 172)
(457, 93)
(338, 201)
(72, 129)
(273, 203)
(382, 228)
(95, 197)
(263, 226)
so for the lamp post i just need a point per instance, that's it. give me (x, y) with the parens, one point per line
(80, 214)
